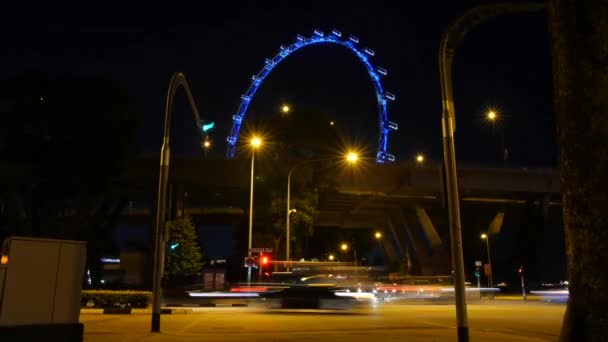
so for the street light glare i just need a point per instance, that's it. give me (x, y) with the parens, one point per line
(378, 235)
(352, 157)
(285, 109)
(331, 257)
(344, 247)
(484, 236)
(420, 158)
(491, 115)
(256, 142)
(207, 144)
(331, 123)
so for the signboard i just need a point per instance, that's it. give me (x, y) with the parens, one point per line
(487, 269)
(478, 263)
(261, 250)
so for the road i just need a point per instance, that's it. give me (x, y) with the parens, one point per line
(490, 321)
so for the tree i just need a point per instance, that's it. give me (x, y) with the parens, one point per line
(292, 143)
(580, 68)
(301, 221)
(63, 141)
(184, 259)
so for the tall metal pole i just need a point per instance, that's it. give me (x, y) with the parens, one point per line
(490, 282)
(287, 227)
(449, 154)
(250, 215)
(161, 234)
(449, 42)
(160, 238)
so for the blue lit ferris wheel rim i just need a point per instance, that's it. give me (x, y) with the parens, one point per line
(335, 37)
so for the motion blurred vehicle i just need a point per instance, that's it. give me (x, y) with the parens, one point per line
(309, 297)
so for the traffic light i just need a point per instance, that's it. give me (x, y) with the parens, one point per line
(520, 270)
(265, 260)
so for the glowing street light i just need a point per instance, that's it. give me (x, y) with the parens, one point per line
(285, 109)
(344, 247)
(485, 236)
(352, 157)
(331, 123)
(255, 143)
(420, 158)
(491, 115)
(378, 235)
(331, 257)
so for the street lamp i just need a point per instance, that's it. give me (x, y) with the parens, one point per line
(178, 79)
(492, 116)
(331, 257)
(285, 109)
(351, 157)
(485, 236)
(378, 235)
(255, 143)
(420, 158)
(451, 39)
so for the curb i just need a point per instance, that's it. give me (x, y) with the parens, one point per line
(209, 305)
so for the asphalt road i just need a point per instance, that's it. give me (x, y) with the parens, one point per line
(489, 321)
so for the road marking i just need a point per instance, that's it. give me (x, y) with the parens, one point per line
(437, 324)
(192, 323)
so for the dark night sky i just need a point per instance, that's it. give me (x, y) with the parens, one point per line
(505, 63)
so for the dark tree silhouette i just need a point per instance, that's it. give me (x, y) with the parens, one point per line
(63, 140)
(580, 64)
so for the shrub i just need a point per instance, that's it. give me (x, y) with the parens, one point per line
(106, 298)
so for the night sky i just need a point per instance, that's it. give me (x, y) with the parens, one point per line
(504, 64)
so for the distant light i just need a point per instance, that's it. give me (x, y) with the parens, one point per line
(336, 33)
(420, 158)
(331, 257)
(318, 33)
(369, 51)
(256, 142)
(344, 247)
(382, 71)
(331, 123)
(484, 236)
(174, 246)
(4, 260)
(491, 115)
(207, 144)
(110, 260)
(378, 235)
(41, 98)
(353, 39)
(103, 281)
(285, 108)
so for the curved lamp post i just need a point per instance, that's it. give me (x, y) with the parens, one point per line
(161, 235)
(449, 43)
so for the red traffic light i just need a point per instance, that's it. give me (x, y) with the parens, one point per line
(521, 270)
(265, 260)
